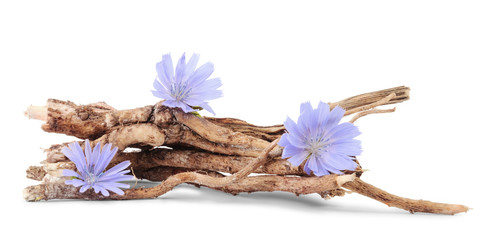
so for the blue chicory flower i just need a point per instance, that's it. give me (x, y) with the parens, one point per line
(90, 167)
(318, 138)
(188, 87)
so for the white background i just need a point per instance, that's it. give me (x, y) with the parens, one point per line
(271, 56)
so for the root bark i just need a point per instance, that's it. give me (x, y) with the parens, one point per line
(176, 147)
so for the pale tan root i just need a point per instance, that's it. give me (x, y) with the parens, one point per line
(402, 94)
(36, 112)
(372, 111)
(217, 134)
(296, 185)
(192, 159)
(100, 122)
(380, 102)
(363, 188)
(145, 134)
(256, 163)
(240, 143)
(235, 183)
(94, 120)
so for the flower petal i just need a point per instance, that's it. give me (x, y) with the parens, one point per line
(283, 142)
(117, 168)
(350, 147)
(290, 151)
(162, 95)
(161, 77)
(185, 107)
(307, 169)
(206, 107)
(305, 107)
(298, 133)
(190, 86)
(115, 178)
(292, 128)
(343, 131)
(84, 188)
(322, 168)
(76, 155)
(318, 137)
(201, 74)
(104, 192)
(114, 187)
(116, 190)
(87, 153)
(70, 173)
(159, 87)
(180, 69)
(322, 115)
(75, 158)
(95, 154)
(105, 158)
(165, 70)
(296, 160)
(312, 164)
(117, 184)
(334, 117)
(206, 86)
(340, 162)
(297, 141)
(204, 92)
(190, 66)
(75, 182)
(177, 104)
(306, 121)
(170, 103)
(96, 188)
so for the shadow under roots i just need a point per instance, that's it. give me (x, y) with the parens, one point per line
(312, 203)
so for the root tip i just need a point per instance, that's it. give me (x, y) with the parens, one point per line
(36, 112)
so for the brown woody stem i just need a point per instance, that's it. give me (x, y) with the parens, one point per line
(372, 111)
(201, 149)
(363, 188)
(296, 185)
(380, 102)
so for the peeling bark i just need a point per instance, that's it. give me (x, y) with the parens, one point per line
(201, 150)
(296, 185)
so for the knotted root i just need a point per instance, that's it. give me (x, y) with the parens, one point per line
(268, 133)
(326, 186)
(269, 183)
(188, 158)
(225, 136)
(238, 182)
(201, 148)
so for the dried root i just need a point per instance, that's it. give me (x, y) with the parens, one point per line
(198, 150)
(363, 188)
(296, 185)
(372, 111)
